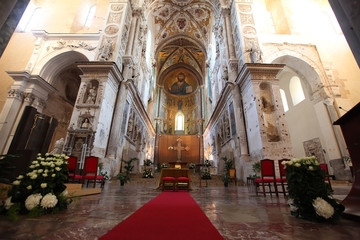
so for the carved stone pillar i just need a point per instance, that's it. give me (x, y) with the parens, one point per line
(115, 33)
(133, 32)
(239, 120)
(228, 30)
(27, 90)
(267, 131)
(232, 62)
(94, 108)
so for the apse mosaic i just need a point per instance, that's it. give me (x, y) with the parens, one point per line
(180, 82)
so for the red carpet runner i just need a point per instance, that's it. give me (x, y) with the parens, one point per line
(170, 216)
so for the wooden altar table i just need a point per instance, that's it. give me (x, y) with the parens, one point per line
(173, 172)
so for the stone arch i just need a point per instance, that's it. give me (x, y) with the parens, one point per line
(312, 71)
(82, 55)
(55, 64)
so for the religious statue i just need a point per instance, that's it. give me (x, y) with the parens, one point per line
(59, 144)
(91, 98)
(85, 124)
(225, 75)
(106, 50)
(181, 87)
(227, 128)
(170, 128)
(130, 125)
(255, 53)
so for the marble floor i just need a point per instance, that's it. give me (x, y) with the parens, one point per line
(235, 211)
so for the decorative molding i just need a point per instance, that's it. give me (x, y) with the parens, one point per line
(61, 43)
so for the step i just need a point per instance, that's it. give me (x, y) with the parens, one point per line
(73, 186)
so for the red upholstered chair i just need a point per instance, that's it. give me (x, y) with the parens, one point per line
(282, 178)
(90, 171)
(183, 183)
(72, 169)
(267, 176)
(168, 182)
(327, 176)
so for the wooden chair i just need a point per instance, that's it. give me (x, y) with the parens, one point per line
(90, 171)
(327, 176)
(267, 176)
(72, 161)
(282, 178)
(183, 183)
(232, 173)
(168, 182)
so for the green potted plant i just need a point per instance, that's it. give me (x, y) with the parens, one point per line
(227, 166)
(226, 180)
(257, 169)
(128, 168)
(123, 178)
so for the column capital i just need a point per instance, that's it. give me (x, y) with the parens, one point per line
(258, 71)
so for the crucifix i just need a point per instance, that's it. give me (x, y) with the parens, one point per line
(179, 148)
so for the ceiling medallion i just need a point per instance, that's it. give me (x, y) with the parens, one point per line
(181, 23)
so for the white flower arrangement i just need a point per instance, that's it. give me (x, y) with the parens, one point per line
(45, 175)
(49, 201)
(8, 203)
(16, 182)
(291, 204)
(323, 208)
(32, 201)
(298, 162)
(64, 193)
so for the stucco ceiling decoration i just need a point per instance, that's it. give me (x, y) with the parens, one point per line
(190, 17)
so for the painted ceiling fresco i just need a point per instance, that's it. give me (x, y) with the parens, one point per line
(181, 51)
(179, 24)
(192, 17)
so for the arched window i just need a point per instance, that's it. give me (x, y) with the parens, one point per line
(179, 121)
(90, 16)
(296, 90)
(284, 101)
(30, 18)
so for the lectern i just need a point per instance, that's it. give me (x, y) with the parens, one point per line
(350, 126)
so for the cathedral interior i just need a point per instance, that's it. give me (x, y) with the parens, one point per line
(118, 79)
(179, 83)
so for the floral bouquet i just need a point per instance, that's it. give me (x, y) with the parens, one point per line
(164, 165)
(41, 189)
(148, 162)
(309, 196)
(148, 173)
(192, 166)
(207, 163)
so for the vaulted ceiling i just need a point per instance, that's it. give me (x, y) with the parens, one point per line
(182, 31)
